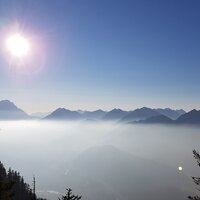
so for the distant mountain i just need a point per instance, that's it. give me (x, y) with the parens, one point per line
(9, 111)
(63, 114)
(192, 117)
(180, 111)
(172, 114)
(139, 114)
(159, 119)
(115, 114)
(39, 114)
(93, 115)
(106, 172)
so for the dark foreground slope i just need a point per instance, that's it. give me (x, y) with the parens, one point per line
(13, 187)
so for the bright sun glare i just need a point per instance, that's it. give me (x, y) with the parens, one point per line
(180, 168)
(18, 45)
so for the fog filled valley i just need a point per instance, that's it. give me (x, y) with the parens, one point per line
(102, 160)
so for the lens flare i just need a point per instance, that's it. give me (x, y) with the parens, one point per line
(180, 168)
(18, 45)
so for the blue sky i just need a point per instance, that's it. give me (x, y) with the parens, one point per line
(104, 54)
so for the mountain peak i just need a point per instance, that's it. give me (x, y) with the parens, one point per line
(193, 111)
(145, 108)
(63, 114)
(116, 110)
(192, 117)
(60, 109)
(115, 114)
(6, 104)
(9, 111)
(140, 114)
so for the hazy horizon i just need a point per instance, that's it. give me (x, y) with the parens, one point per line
(107, 110)
(97, 108)
(51, 107)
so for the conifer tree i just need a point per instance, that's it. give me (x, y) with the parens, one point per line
(13, 187)
(196, 179)
(70, 196)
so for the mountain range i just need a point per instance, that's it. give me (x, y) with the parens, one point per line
(144, 115)
(115, 115)
(192, 118)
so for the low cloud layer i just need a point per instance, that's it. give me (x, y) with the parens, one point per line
(79, 154)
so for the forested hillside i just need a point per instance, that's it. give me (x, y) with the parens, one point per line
(13, 187)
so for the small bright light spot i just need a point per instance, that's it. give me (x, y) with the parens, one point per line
(17, 45)
(180, 168)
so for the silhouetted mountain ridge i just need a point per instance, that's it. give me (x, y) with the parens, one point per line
(180, 111)
(97, 114)
(115, 114)
(159, 119)
(9, 111)
(63, 114)
(192, 117)
(139, 114)
(168, 112)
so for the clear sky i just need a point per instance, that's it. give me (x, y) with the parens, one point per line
(91, 54)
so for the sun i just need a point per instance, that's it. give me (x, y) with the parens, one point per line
(17, 45)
